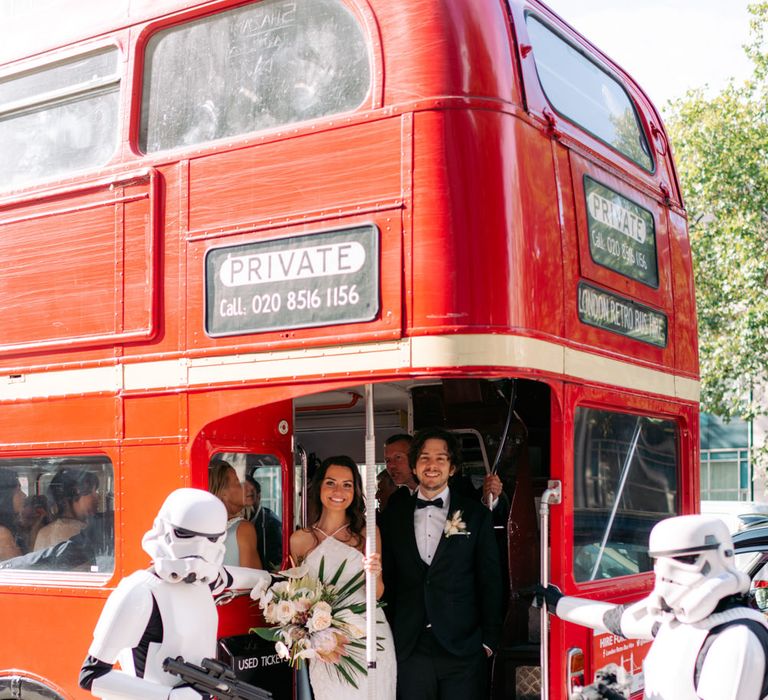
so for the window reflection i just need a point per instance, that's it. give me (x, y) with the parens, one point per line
(254, 67)
(58, 513)
(625, 481)
(59, 119)
(586, 94)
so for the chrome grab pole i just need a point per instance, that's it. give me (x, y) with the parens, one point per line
(370, 540)
(551, 496)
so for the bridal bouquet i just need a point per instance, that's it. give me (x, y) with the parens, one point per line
(316, 619)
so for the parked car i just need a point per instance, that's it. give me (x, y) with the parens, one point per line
(751, 548)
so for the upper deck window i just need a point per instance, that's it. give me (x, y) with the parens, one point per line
(254, 67)
(59, 119)
(585, 93)
(625, 481)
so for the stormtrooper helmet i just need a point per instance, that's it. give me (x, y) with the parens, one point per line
(694, 567)
(186, 542)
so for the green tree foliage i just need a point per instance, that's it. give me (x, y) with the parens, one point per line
(721, 149)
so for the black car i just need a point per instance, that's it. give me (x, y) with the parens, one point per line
(751, 548)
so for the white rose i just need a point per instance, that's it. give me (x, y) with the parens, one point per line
(320, 620)
(282, 650)
(284, 611)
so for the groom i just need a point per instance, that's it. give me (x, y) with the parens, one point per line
(442, 579)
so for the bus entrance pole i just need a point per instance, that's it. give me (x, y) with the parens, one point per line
(370, 540)
(551, 496)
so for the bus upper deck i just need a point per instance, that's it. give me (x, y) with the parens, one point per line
(532, 159)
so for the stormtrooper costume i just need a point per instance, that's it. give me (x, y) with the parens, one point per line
(168, 609)
(707, 644)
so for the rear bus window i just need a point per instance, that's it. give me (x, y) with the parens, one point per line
(625, 481)
(254, 67)
(586, 94)
(59, 119)
(57, 518)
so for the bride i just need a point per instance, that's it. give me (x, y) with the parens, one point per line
(337, 535)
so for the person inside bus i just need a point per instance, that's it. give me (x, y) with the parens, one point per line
(75, 497)
(269, 529)
(385, 487)
(396, 460)
(11, 503)
(241, 542)
(335, 542)
(35, 515)
(396, 449)
(707, 642)
(442, 578)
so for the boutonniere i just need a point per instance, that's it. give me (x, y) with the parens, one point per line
(455, 525)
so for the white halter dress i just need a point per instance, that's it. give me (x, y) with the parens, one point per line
(326, 683)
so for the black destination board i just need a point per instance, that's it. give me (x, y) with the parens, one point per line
(619, 315)
(319, 279)
(622, 235)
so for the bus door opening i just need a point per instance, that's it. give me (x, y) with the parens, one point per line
(256, 445)
(504, 427)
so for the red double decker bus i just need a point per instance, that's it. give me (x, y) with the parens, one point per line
(220, 221)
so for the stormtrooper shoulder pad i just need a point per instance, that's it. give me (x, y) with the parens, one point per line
(124, 617)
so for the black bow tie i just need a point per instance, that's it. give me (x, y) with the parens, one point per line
(421, 503)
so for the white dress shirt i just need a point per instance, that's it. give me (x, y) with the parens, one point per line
(428, 524)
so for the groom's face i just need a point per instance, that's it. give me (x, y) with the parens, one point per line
(434, 467)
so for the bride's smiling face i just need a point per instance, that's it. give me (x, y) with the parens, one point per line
(338, 488)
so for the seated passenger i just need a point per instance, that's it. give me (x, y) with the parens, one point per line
(75, 497)
(11, 503)
(241, 543)
(35, 515)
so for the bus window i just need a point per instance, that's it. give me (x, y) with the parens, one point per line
(60, 118)
(625, 481)
(64, 520)
(586, 94)
(261, 477)
(254, 67)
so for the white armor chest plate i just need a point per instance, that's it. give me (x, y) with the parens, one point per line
(189, 628)
(670, 664)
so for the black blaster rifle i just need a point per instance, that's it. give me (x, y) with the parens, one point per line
(214, 678)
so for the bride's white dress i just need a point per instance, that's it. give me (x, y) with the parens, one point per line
(326, 684)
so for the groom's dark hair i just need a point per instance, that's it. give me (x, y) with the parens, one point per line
(451, 441)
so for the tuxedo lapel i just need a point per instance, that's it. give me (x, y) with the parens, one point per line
(410, 531)
(456, 503)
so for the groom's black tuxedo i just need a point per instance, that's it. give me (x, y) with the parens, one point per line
(459, 594)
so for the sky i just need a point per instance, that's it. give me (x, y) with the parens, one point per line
(667, 46)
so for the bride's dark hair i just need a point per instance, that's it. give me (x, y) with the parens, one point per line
(355, 511)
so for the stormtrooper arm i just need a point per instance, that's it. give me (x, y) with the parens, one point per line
(632, 621)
